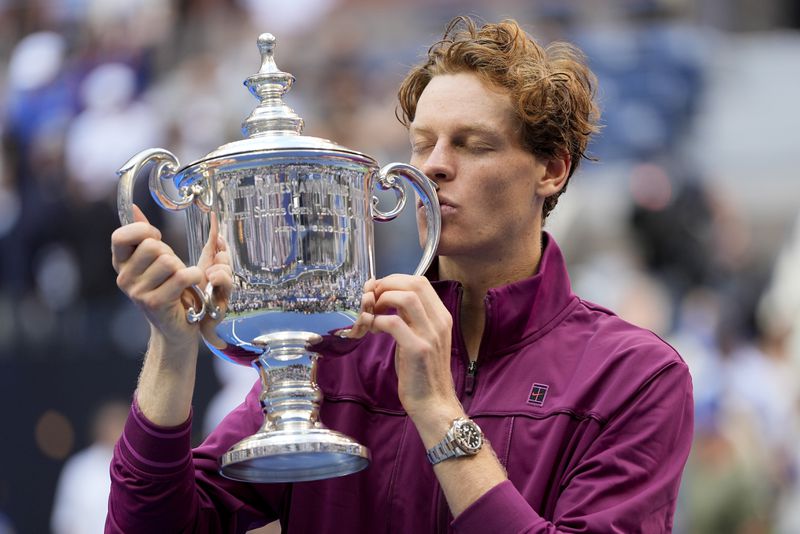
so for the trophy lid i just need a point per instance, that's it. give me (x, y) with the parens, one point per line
(274, 126)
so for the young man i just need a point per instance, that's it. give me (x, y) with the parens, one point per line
(586, 420)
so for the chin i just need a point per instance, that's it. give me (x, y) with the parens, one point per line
(452, 249)
(449, 245)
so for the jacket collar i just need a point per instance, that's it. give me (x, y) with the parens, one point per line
(518, 312)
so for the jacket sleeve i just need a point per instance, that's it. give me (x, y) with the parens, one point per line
(159, 484)
(626, 482)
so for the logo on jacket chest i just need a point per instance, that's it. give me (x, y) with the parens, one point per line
(538, 394)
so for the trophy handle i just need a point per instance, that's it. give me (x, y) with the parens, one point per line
(166, 164)
(426, 189)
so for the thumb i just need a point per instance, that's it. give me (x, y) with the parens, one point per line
(138, 215)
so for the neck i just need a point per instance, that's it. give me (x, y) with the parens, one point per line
(479, 274)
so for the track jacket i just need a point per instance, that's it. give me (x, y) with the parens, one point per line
(590, 416)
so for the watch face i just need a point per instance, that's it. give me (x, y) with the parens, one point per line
(469, 437)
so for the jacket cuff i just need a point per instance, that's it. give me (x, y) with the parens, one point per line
(152, 448)
(501, 509)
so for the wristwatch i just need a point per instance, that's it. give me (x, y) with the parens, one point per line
(464, 438)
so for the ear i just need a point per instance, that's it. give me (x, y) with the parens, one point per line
(555, 175)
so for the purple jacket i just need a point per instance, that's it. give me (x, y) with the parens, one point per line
(591, 417)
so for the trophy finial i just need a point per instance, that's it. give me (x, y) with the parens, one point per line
(272, 115)
(266, 44)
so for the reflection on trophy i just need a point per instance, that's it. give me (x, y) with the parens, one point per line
(296, 213)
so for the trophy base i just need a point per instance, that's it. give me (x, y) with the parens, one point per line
(292, 456)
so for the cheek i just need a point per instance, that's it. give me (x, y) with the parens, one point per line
(504, 190)
(513, 198)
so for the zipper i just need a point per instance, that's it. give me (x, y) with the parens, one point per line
(472, 366)
(469, 382)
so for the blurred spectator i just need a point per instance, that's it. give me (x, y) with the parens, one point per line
(695, 338)
(113, 127)
(671, 220)
(723, 491)
(39, 92)
(614, 280)
(81, 500)
(288, 18)
(236, 381)
(779, 310)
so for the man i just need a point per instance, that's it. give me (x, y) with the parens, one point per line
(586, 420)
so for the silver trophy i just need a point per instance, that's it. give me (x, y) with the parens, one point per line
(296, 213)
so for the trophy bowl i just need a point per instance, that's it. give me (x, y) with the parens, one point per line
(296, 213)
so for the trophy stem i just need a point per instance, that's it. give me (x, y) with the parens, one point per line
(292, 445)
(290, 396)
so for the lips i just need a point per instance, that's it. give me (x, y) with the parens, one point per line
(443, 202)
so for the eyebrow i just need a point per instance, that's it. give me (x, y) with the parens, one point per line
(474, 129)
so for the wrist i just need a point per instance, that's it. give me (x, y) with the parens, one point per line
(166, 383)
(172, 351)
(433, 424)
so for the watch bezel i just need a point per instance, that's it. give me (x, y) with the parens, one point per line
(466, 432)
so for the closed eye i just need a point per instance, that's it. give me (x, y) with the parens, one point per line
(480, 148)
(420, 148)
(474, 146)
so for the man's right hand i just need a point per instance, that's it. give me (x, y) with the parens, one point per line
(155, 279)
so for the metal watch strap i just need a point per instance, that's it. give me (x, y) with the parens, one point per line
(448, 447)
(443, 450)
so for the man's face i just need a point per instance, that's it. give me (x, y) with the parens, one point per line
(465, 137)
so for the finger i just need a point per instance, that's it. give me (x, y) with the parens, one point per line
(144, 255)
(223, 257)
(403, 334)
(406, 282)
(210, 248)
(360, 328)
(363, 321)
(155, 273)
(425, 316)
(172, 294)
(365, 317)
(173, 288)
(218, 271)
(221, 278)
(138, 215)
(369, 285)
(406, 303)
(367, 300)
(124, 241)
(417, 284)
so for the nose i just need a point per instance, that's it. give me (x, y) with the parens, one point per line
(439, 164)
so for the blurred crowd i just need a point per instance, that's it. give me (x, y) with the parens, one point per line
(652, 230)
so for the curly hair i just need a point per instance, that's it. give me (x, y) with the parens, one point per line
(552, 88)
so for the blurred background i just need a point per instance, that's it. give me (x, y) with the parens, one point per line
(687, 224)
